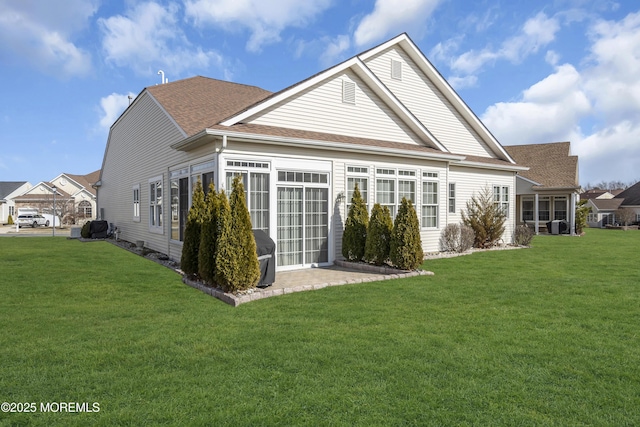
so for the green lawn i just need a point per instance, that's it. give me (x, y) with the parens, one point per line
(540, 336)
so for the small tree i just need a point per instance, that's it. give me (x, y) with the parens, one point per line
(405, 248)
(486, 218)
(354, 236)
(10, 220)
(378, 235)
(237, 266)
(625, 216)
(209, 237)
(582, 211)
(193, 228)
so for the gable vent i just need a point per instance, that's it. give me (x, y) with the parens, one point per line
(348, 92)
(396, 69)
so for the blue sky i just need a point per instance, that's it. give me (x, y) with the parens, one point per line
(534, 72)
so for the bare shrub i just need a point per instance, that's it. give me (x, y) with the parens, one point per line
(522, 235)
(456, 238)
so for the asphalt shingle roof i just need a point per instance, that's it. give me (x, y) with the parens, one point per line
(631, 195)
(200, 102)
(8, 187)
(550, 165)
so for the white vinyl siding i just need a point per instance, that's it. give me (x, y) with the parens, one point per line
(428, 104)
(321, 109)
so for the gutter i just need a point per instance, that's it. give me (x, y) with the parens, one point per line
(207, 135)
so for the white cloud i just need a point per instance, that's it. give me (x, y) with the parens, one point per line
(112, 106)
(536, 33)
(550, 110)
(43, 35)
(614, 79)
(334, 50)
(597, 108)
(149, 38)
(391, 17)
(264, 19)
(462, 82)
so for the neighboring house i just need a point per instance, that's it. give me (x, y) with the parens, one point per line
(8, 191)
(631, 199)
(385, 120)
(603, 211)
(75, 197)
(549, 190)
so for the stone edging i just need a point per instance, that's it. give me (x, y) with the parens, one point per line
(256, 294)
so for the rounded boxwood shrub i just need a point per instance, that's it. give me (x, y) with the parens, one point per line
(456, 238)
(522, 235)
(405, 249)
(85, 231)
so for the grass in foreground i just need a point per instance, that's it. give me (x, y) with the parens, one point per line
(541, 336)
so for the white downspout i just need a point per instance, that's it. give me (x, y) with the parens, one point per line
(536, 213)
(572, 214)
(219, 162)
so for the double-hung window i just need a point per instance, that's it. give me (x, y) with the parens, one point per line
(501, 198)
(393, 185)
(429, 199)
(155, 204)
(527, 208)
(358, 175)
(452, 197)
(386, 189)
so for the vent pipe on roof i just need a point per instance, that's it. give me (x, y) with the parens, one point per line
(163, 80)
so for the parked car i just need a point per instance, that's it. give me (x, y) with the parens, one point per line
(32, 220)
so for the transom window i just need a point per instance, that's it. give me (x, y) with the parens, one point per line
(312, 177)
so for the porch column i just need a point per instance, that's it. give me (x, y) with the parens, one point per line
(572, 214)
(535, 213)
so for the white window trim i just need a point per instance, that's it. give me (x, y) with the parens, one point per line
(157, 229)
(136, 218)
(501, 193)
(396, 175)
(361, 175)
(450, 199)
(433, 177)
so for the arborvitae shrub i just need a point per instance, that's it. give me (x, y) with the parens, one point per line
(522, 235)
(378, 235)
(209, 237)
(237, 266)
(354, 236)
(405, 251)
(85, 231)
(486, 219)
(456, 238)
(191, 243)
(582, 213)
(10, 220)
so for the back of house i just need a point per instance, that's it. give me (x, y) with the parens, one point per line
(385, 120)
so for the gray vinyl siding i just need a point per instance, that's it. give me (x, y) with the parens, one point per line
(428, 104)
(138, 149)
(320, 109)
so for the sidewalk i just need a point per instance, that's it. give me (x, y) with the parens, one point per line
(10, 230)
